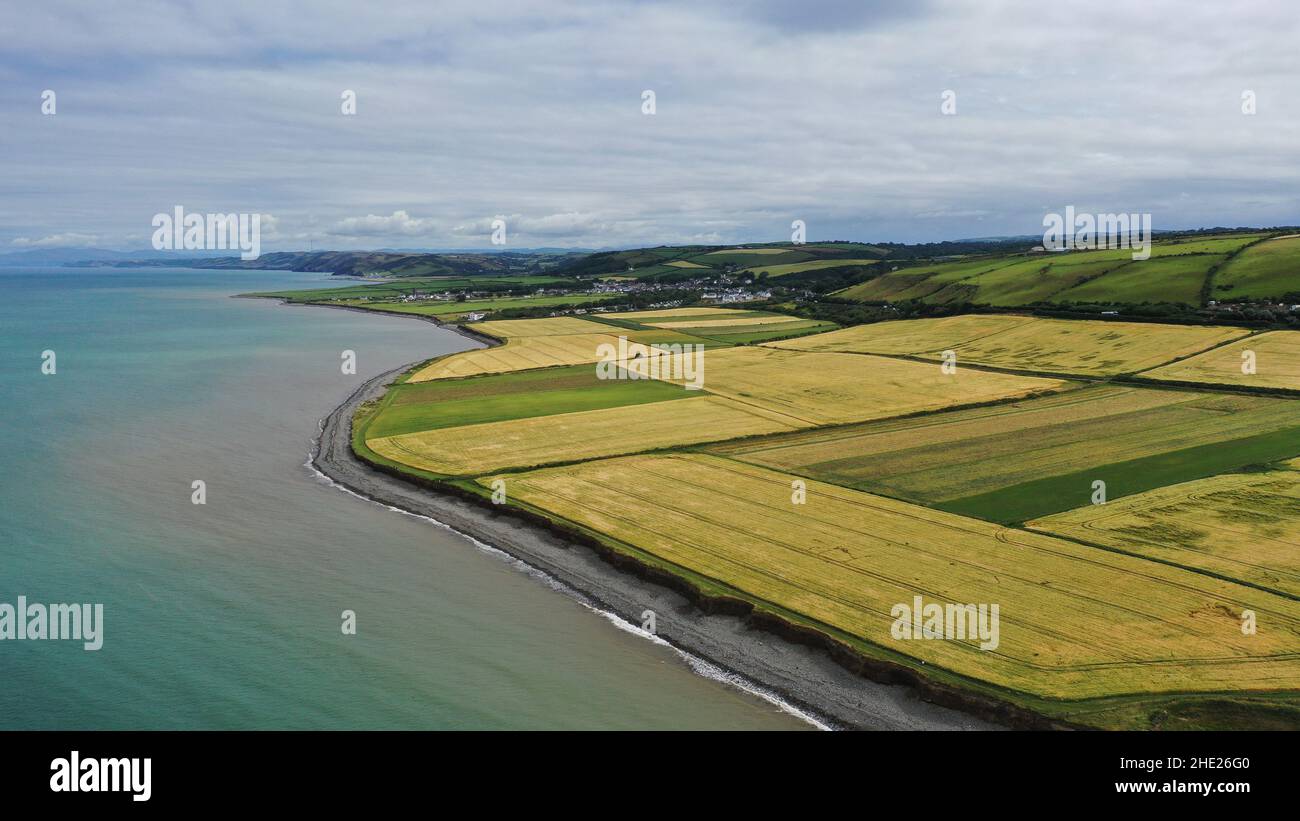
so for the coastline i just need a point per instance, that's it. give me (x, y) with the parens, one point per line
(800, 678)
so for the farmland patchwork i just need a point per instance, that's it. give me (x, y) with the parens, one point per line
(1078, 517)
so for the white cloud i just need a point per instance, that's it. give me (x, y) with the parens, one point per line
(398, 223)
(824, 111)
(65, 240)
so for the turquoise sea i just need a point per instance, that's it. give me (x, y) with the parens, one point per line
(227, 615)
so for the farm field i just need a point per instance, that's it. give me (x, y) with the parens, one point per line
(720, 325)
(1159, 279)
(812, 265)
(1076, 622)
(1277, 363)
(540, 343)
(724, 322)
(753, 334)
(748, 257)
(475, 449)
(551, 326)
(673, 313)
(917, 282)
(685, 262)
(518, 353)
(1174, 273)
(917, 484)
(1073, 347)
(759, 251)
(828, 388)
(1029, 458)
(1269, 270)
(1023, 283)
(442, 403)
(1242, 526)
(908, 337)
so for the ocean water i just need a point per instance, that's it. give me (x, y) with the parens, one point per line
(227, 615)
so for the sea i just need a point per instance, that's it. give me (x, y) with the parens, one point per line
(229, 614)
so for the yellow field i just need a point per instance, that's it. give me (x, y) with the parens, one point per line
(551, 326)
(1277, 363)
(476, 449)
(637, 316)
(518, 354)
(1241, 525)
(1026, 343)
(963, 453)
(682, 263)
(831, 388)
(1074, 621)
(907, 336)
(725, 323)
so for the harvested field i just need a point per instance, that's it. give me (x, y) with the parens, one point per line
(551, 326)
(1027, 343)
(1244, 526)
(538, 351)
(1075, 622)
(828, 388)
(477, 449)
(1277, 363)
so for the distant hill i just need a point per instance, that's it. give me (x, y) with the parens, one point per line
(683, 262)
(1190, 269)
(372, 263)
(39, 257)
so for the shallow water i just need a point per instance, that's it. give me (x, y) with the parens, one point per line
(227, 615)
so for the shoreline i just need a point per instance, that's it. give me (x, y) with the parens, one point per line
(798, 678)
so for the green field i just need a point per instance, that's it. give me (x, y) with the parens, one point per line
(1080, 277)
(1269, 270)
(1019, 460)
(1159, 279)
(421, 406)
(1023, 283)
(1057, 493)
(920, 281)
(1175, 273)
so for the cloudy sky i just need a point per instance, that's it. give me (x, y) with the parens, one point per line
(827, 111)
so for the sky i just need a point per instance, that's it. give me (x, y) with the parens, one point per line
(765, 112)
